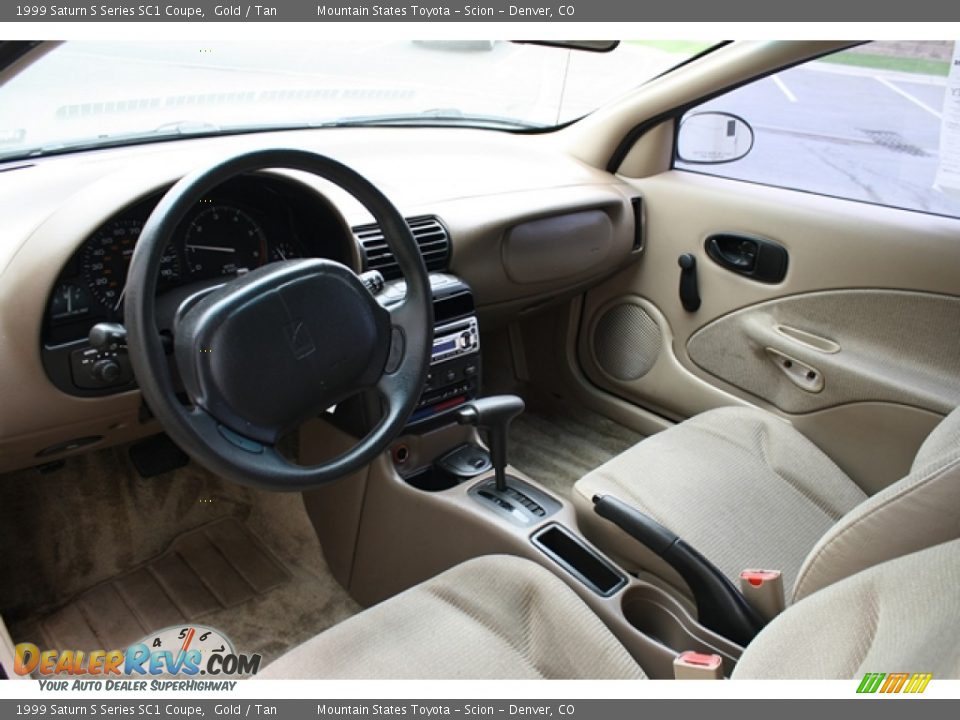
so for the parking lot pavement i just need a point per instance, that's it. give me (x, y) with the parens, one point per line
(850, 132)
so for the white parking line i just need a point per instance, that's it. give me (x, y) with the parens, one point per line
(904, 94)
(783, 87)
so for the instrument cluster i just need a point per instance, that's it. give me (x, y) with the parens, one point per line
(242, 225)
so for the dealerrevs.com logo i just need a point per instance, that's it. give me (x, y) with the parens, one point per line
(174, 652)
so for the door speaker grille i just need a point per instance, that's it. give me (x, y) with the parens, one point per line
(626, 342)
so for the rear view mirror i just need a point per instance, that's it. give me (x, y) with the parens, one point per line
(600, 46)
(713, 138)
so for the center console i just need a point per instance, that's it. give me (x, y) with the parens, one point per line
(445, 493)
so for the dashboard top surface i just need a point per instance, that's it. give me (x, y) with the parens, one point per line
(414, 167)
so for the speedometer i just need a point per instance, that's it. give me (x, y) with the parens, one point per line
(106, 257)
(221, 240)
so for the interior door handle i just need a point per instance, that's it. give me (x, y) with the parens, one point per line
(734, 252)
(754, 257)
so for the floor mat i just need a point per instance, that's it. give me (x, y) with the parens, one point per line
(63, 532)
(558, 446)
(70, 538)
(212, 568)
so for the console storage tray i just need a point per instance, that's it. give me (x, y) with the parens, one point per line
(663, 619)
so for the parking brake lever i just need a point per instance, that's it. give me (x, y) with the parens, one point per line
(720, 605)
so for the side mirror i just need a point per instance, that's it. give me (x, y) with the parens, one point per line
(713, 138)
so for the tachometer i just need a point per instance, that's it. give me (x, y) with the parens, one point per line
(223, 239)
(106, 257)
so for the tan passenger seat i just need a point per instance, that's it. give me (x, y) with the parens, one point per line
(505, 617)
(748, 491)
(493, 617)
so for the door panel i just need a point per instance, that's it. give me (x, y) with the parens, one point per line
(870, 302)
(838, 347)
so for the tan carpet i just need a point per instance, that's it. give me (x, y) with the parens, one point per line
(557, 444)
(210, 569)
(77, 539)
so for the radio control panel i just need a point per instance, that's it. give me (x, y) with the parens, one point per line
(454, 340)
(454, 375)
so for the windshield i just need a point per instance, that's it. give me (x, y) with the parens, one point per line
(83, 94)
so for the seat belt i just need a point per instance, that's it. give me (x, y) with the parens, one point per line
(763, 590)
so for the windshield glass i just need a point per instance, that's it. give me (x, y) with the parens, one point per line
(89, 93)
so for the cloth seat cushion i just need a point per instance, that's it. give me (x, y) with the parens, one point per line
(496, 616)
(900, 615)
(738, 484)
(916, 512)
(508, 618)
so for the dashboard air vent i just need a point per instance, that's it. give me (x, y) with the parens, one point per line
(428, 231)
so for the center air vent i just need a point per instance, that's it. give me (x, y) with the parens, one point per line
(428, 231)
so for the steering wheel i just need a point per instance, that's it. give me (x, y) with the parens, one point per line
(275, 346)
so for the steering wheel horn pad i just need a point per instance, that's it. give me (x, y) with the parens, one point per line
(264, 353)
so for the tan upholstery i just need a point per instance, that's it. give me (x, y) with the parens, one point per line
(921, 510)
(738, 484)
(747, 490)
(491, 617)
(505, 617)
(892, 347)
(944, 440)
(899, 616)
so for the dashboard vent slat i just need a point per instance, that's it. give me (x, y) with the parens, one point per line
(431, 236)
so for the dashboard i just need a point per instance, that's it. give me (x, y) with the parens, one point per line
(71, 222)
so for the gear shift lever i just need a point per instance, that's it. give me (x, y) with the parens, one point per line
(494, 415)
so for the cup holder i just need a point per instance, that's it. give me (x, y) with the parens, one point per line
(661, 618)
(433, 479)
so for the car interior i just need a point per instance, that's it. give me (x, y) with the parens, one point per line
(421, 399)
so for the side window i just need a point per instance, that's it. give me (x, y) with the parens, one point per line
(879, 123)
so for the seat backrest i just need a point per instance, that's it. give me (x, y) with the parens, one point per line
(900, 616)
(916, 512)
